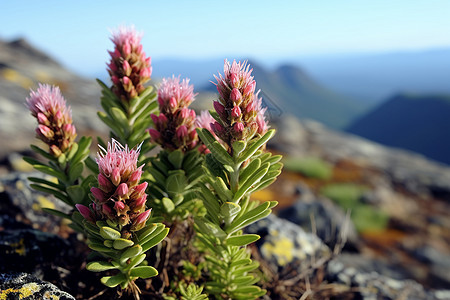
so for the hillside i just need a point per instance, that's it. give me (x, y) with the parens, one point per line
(417, 123)
(22, 67)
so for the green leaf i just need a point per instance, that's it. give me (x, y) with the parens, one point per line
(242, 240)
(50, 171)
(135, 261)
(176, 158)
(108, 243)
(155, 240)
(119, 116)
(146, 231)
(76, 193)
(252, 180)
(110, 123)
(256, 145)
(210, 228)
(131, 252)
(99, 266)
(240, 262)
(83, 150)
(176, 182)
(229, 211)
(221, 189)
(43, 152)
(91, 164)
(46, 182)
(99, 247)
(238, 147)
(57, 213)
(214, 146)
(108, 233)
(250, 214)
(249, 169)
(72, 151)
(144, 272)
(168, 204)
(113, 281)
(121, 243)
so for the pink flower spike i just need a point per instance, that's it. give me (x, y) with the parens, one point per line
(85, 212)
(173, 102)
(139, 190)
(122, 190)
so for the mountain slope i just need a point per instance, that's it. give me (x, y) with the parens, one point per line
(417, 123)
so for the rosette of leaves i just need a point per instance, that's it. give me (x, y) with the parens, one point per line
(123, 258)
(174, 178)
(231, 178)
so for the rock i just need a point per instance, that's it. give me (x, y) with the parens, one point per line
(27, 287)
(31, 250)
(290, 138)
(284, 243)
(372, 285)
(27, 204)
(331, 223)
(438, 262)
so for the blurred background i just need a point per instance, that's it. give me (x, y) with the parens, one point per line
(359, 93)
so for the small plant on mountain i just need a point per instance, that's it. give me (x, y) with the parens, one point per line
(200, 181)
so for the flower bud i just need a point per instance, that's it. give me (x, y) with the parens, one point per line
(181, 132)
(85, 212)
(236, 112)
(236, 96)
(45, 131)
(104, 183)
(139, 222)
(98, 194)
(155, 135)
(220, 109)
(115, 176)
(122, 190)
(234, 80)
(42, 119)
(126, 68)
(238, 127)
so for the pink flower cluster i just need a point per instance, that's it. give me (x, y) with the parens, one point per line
(175, 125)
(129, 67)
(240, 110)
(55, 127)
(119, 196)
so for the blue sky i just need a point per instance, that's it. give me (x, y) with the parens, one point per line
(77, 32)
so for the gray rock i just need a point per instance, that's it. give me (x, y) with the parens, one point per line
(27, 287)
(439, 264)
(284, 243)
(330, 222)
(372, 285)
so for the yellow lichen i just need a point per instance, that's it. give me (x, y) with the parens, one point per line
(45, 203)
(19, 248)
(48, 295)
(25, 291)
(282, 250)
(14, 76)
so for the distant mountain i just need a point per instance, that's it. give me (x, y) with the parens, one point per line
(417, 123)
(292, 91)
(375, 77)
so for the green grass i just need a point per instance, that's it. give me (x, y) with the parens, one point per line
(312, 167)
(348, 195)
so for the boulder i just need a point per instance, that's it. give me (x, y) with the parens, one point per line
(27, 287)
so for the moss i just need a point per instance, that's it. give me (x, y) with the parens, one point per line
(312, 167)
